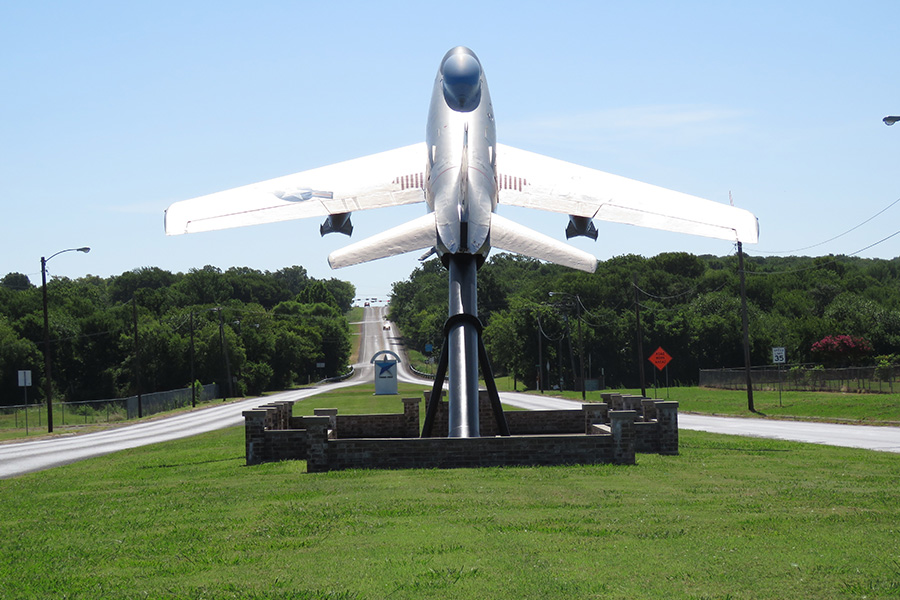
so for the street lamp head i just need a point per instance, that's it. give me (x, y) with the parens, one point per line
(890, 120)
(85, 249)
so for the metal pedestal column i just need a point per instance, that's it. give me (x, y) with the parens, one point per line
(460, 353)
(462, 339)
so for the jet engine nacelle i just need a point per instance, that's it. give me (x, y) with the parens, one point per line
(581, 226)
(338, 223)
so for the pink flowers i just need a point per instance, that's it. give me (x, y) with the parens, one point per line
(842, 349)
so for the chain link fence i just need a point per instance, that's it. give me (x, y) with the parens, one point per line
(806, 378)
(158, 402)
(33, 416)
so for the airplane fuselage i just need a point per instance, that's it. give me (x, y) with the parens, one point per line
(461, 139)
(461, 189)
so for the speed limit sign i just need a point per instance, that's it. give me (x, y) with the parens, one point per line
(778, 356)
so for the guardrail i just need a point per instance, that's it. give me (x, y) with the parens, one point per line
(339, 378)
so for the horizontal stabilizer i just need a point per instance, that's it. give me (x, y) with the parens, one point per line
(417, 234)
(512, 237)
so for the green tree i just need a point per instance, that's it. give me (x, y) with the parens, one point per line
(17, 354)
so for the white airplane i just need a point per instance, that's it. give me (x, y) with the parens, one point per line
(462, 174)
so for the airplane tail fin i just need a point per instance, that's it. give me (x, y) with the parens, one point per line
(418, 234)
(512, 237)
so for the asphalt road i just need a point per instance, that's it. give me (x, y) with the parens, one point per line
(885, 439)
(376, 338)
(18, 458)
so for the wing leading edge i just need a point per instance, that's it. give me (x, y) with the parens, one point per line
(554, 185)
(391, 178)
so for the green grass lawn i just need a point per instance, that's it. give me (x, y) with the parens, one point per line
(361, 400)
(729, 517)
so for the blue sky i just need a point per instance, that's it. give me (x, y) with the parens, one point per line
(113, 110)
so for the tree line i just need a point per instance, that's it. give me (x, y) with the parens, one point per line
(254, 330)
(688, 305)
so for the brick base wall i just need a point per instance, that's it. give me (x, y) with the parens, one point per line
(451, 453)
(329, 441)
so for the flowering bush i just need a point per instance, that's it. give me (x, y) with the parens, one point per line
(842, 350)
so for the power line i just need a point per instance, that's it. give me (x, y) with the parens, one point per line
(649, 295)
(541, 328)
(835, 237)
(834, 261)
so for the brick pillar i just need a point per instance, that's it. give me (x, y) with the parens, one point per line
(331, 413)
(411, 417)
(648, 408)
(317, 444)
(622, 426)
(631, 402)
(255, 436)
(615, 402)
(594, 413)
(283, 410)
(270, 420)
(667, 416)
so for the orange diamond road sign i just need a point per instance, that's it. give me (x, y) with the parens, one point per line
(660, 358)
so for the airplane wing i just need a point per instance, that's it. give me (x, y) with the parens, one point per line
(535, 181)
(391, 178)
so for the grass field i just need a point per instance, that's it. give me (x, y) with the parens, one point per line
(729, 517)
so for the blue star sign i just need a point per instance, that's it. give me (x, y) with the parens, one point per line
(386, 368)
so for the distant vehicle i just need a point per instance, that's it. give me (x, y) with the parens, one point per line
(366, 304)
(386, 327)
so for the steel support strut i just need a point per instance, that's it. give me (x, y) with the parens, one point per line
(462, 349)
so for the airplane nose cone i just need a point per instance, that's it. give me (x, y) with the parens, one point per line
(462, 81)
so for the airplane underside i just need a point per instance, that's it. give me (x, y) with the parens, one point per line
(462, 174)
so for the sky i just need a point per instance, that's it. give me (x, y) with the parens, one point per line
(111, 111)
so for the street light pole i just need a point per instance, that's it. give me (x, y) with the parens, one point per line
(48, 384)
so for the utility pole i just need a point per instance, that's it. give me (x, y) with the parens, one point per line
(639, 334)
(571, 354)
(48, 381)
(540, 366)
(137, 359)
(224, 349)
(746, 328)
(193, 389)
(581, 350)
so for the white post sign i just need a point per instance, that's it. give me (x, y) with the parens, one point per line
(779, 357)
(385, 373)
(24, 378)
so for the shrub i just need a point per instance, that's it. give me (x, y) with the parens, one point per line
(842, 350)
